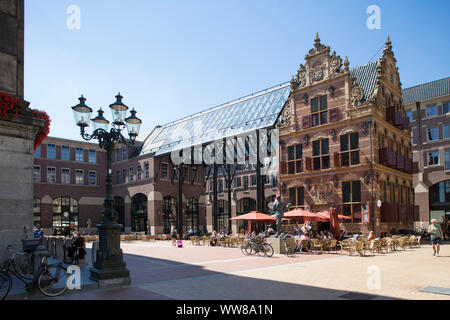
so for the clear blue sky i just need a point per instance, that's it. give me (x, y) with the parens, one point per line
(172, 58)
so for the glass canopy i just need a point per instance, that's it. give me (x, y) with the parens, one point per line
(257, 111)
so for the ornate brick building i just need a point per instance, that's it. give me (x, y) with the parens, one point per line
(345, 141)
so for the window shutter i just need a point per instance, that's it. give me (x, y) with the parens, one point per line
(299, 166)
(337, 160)
(308, 164)
(306, 122)
(283, 165)
(334, 115)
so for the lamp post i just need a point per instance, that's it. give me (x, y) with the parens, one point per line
(109, 267)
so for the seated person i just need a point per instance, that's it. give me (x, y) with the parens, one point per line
(191, 233)
(344, 235)
(304, 237)
(213, 241)
(371, 236)
(77, 243)
(328, 235)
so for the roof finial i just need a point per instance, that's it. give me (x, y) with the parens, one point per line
(293, 83)
(317, 41)
(346, 64)
(388, 44)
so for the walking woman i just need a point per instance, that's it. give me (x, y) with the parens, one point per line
(437, 235)
(173, 235)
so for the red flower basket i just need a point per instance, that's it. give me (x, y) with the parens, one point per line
(12, 106)
(43, 133)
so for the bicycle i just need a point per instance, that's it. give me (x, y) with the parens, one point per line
(255, 245)
(50, 279)
(287, 247)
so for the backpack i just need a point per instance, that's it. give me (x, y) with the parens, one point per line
(180, 244)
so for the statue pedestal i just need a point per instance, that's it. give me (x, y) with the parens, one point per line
(278, 244)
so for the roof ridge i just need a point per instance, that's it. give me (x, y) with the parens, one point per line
(365, 64)
(426, 83)
(223, 105)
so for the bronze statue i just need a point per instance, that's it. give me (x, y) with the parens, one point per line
(280, 208)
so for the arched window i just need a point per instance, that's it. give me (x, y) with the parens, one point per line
(192, 215)
(37, 213)
(65, 215)
(139, 214)
(169, 213)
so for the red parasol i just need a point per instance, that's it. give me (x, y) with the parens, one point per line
(326, 214)
(306, 215)
(255, 216)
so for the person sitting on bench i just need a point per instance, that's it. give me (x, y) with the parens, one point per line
(77, 244)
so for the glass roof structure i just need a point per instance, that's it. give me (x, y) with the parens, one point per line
(238, 117)
(257, 111)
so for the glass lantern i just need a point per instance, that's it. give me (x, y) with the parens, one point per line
(133, 125)
(119, 111)
(82, 113)
(99, 122)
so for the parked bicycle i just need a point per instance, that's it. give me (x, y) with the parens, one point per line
(50, 279)
(288, 251)
(256, 245)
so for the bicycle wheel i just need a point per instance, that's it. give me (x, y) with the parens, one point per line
(52, 281)
(260, 250)
(287, 249)
(5, 285)
(22, 264)
(246, 249)
(268, 249)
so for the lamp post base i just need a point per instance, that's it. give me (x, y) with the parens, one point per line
(109, 268)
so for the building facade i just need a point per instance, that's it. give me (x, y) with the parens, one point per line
(69, 185)
(427, 107)
(345, 142)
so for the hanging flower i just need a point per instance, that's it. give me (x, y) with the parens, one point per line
(12, 106)
(43, 133)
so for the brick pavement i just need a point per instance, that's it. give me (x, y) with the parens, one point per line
(160, 271)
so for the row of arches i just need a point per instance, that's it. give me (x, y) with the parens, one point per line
(65, 213)
(139, 213)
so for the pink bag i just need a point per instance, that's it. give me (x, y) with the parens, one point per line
(180, 244)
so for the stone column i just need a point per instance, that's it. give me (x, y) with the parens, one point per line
(16, 179)
(12, 46)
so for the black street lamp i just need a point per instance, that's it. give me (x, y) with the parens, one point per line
(109, 267)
